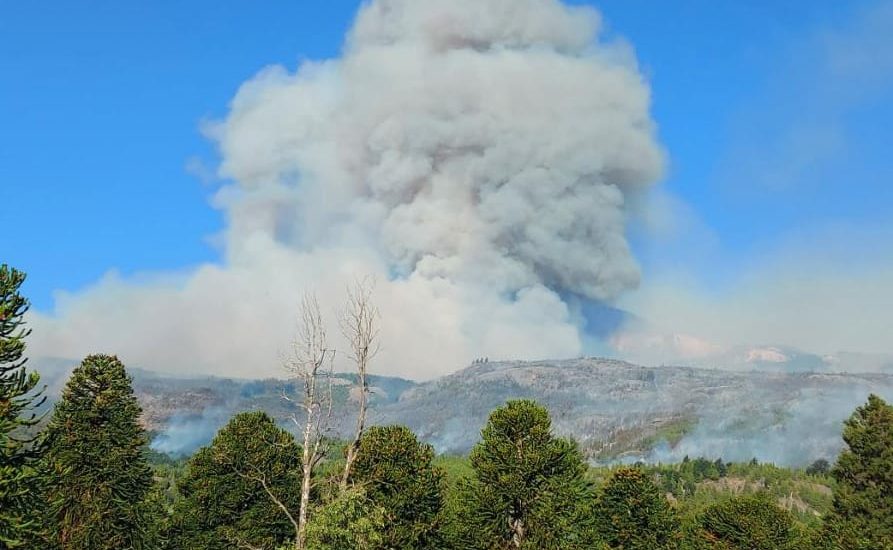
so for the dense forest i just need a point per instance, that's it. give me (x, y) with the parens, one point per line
(86, 478)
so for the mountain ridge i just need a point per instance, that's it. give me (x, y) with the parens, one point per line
(618, 411)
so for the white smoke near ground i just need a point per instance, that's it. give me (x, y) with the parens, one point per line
(184, 433)
(478, 157)
(821, 292)
(823, 285)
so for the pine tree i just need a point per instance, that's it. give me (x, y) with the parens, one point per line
(97, 474)
(528, 489)
(229, 489)
(632, 514)
(862, 516)
(398, 475)
(18, 400)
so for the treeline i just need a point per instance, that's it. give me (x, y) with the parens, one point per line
(85, 482)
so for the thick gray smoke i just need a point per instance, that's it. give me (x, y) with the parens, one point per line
(477, 156)
(467, 140)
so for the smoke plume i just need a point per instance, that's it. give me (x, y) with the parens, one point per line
(478, 157)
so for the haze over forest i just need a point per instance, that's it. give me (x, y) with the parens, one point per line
(446, 275)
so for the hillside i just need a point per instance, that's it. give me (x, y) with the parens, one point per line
(618, 411)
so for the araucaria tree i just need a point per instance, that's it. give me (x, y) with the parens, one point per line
(862, 516)
(95, 463)
(240, 491)
(632, 514)
(528, 489)
(751, 522)
(17, 402)
(398, 475)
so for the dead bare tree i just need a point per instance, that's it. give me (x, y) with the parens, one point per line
(311, 364)
(359, 323)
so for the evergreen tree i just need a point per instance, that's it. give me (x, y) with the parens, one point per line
(350, 521)
(398, 475)
(862, 516)
(528, 489)
(97, 474)
(229, 488)
(18, 400)
(752, 522)
(819, 468)
(632, 514)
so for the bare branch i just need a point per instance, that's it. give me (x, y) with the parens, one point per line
(311, 363)
(359, 324)
(252, 473)
(262, 480)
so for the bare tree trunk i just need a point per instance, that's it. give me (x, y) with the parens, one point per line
(301, 534)
(312, 364)
(359, 324)
(354, 447)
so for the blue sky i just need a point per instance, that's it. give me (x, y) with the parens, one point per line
(772, 134)
(101, 111)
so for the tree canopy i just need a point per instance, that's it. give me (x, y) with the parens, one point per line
(631, 513)
(18, 399)
(863, 502)
(351, 520)
(97, 475)
(231, 490)
(528, 488)
(750, 522)
(397, 474)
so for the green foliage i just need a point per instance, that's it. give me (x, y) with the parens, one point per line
(521, 487)
(863, 502)
(695, 484)
(98, 477)
(454, 467)
(18, 399)
(528, 488)
(352, 520)
(819, 468)
(632, 513)
(156, 518)
(752, 522)
(224, 502)
(398, 475)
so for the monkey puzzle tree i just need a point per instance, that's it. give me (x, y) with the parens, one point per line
(751, 522)
(397, 473)
(242, 490)
(17, 403)
(631, 513)
(528, 488)
(97, 474)
(862, 516)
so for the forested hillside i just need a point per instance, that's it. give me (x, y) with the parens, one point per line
(84, 476)
(616, 410)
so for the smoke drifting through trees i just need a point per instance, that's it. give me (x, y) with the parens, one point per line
(478, 157)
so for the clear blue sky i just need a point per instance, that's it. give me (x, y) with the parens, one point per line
(101, 103)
